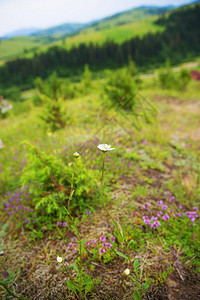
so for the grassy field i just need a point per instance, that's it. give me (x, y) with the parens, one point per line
(16, 46)
(153, 172)
(118, 34)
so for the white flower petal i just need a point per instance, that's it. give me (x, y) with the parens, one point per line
(59, 259)
(105, 147)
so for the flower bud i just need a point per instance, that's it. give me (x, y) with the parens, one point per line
(76, 154)
(126, 272)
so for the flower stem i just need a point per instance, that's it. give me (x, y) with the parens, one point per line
(72, 185)
(114, 222)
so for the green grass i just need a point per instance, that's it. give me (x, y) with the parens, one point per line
(135, 173)
(118, 33)
(18, 45)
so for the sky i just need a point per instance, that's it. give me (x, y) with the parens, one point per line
(20, 14)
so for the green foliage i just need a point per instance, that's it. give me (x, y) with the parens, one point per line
(49, 180)
(132, 69)
(170, 80)
(87, 77)
(50, 94)
(122, 94)
(83, 282)
(12, 93)
(121, 91)
(8, 285)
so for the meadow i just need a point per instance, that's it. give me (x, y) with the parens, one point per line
(17, 46)
(81, 220)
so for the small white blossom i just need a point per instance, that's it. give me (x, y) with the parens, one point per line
(76, 154)
(126, 272)
(105, 147)
(59, 259)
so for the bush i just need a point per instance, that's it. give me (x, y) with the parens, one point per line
(49, 181)
(170, 80)
(121, 91)
(50, 95)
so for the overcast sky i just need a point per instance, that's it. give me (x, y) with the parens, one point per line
(18, 14)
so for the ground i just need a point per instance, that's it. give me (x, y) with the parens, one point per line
(171, 272)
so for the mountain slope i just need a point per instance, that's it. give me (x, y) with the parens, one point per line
(61, 30)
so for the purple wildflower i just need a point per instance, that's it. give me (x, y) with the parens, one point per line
(154, 218)
(155, 224)
(27, 220)
(165, 217)
(112, 238)
(59, 224)
(146, 221)
(64, 224)
(101, 250)
(159, 203)
(171, 198)
(146, 205)
(164, 207)
(88, 212)
(107, 245)
(70, 246)
(102, 238)
(159, 213)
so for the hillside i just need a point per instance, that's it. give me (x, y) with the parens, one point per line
(118, 28)
(180, 40)
(60, 31)
(16, 46)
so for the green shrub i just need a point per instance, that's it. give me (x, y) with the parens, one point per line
(171, 80)
(50, 95)
(121, 91)
(49, 180)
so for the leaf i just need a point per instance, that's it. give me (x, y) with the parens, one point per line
(71, 286)
(75, 229)
(129, 243)
(83, 244)
(76, 268)
(136, 296)
(136, 264)
(146, 286)
(121, 254)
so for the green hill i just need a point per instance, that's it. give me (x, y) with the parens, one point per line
(60, 31)
(118, 28)
(19, 45)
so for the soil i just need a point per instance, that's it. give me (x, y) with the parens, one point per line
(42, 279)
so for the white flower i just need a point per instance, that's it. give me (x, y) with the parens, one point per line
(105, 147)
(1, 144)
(76, 154)
(59, 259)
(126, 272)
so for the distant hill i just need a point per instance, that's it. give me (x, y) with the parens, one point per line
(118, 28)
(129, 16)
(21, 32)
(60, 31)
(178, 40)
